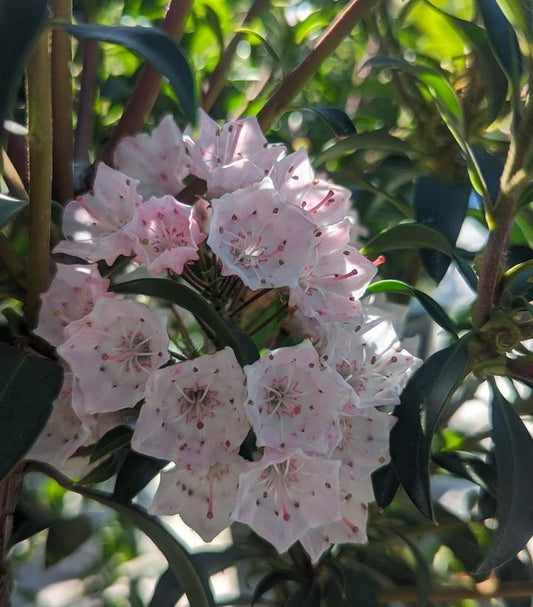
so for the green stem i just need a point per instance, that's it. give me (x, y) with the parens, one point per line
(145, 94)
(62, 105)
(39, 101)
(304, 71)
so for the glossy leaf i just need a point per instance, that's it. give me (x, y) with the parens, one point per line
(154, 45)
(436, 312)
(422, 403)
(491, 166)
(268, 47)
(469, 466)
(101, 473)
(385, 484)
(357, 590)
(112, 441)
(188, 299)
(407, 236)
(10, 208)
(337, 119)
(372, 140)
(20, 26)
(513, 451)
(65, 536)
(28, 387)
(441, 205)
(134, 474)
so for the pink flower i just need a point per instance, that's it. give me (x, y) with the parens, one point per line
(93, 223)
(71, 296)
(204, 500)
(167, 234)
(294, 401)
(259, 237)
(285, 494)
(334, 277)
(193, 411)
(233, 156)
(159, 161)
(370, 358)
(112, 351)
(294, 178)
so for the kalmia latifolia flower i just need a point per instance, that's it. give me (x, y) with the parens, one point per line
(204, 500)
(71, 296)
(193, 412)
(112, 351)
(285, 494)
(167, 234)
(232, 156)
(294, 401)
(158, 160)
(260, 237)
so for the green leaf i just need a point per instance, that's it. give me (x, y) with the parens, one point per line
(436, 312)
(188, 299)
(214, 22)
(299, 597)
(20, 26)
(134, 474)
(154, 45)
(513, 451)
(28, 387)
(407, 236)
(422, 402)
(102, 472)
(65, 536)
(385, 484)
(372, 140)
(469, 466)
(267, 45)
(440, 204)
(10, 208)
(357, 590)
(117, 438)
(337, 119)
(272, 579)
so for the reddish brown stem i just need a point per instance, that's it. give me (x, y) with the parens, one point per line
(88, 86)
(145, 94)
(304, 71)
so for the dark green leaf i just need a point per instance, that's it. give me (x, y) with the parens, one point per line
(440, 204)
(299, 597)
(513, 451)
(469, 466)
(248, 347)
(429, 304)
(267, 45)
(272, 579)
(214, 22)
(20, 26)
(516, 571)
(28, 387)
(385, 484)
(357, 590)
(337, 119)
(491, 166)
(10, 208)
(112, 441)
(422, 570)
(407, 236)
(422, 403)
(134, 474)
(188, 299)
(465, 268)
(102, 472)
(154, 45)
(167, 592)
(65, 536)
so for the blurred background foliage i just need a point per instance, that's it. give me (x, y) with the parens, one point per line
(399, 154)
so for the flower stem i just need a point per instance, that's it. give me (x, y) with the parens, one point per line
(145, 94)
(62, 105)
(306, 69)
(39, 102)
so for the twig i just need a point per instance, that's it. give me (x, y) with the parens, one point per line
(217, 79)
(192, 351)
(39, 102)
(249, 301)
(268, 320)
(62, 105)
(304, 71)
(145, 94)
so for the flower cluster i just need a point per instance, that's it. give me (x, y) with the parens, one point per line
(315, 416)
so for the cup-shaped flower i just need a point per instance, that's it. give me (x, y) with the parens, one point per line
(232, 156)
(193, 411)
(260, 237)
(294, 401)
(112, 351)
(93, 224)
(159, 160)
(204, 500)
(287, 493)
(71, 296)
(167, 234)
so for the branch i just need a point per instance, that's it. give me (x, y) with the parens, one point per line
(39, 108)
(217, 79)
(62, 105)
(145, 94)
(304, 71)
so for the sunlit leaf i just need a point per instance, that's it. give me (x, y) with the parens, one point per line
(372, 140)
(407, 236)
(337, 119)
